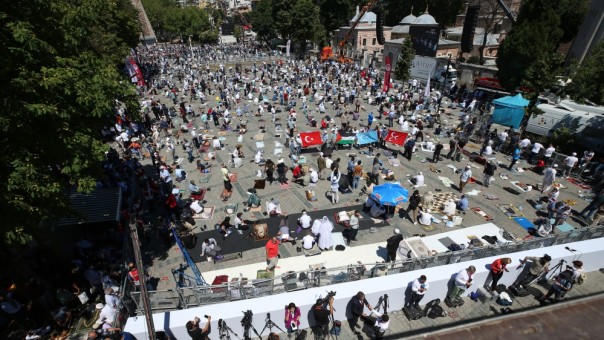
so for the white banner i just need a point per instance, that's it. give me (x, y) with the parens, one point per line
(422, 67)
(287, 47)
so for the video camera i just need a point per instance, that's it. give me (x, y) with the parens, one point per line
(247, 318)
(330, 294)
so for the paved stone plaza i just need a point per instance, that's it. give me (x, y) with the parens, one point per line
(293, 199)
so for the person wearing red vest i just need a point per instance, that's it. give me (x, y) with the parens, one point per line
(497, 268)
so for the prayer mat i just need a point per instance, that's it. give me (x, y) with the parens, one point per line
(222, 133)
(394, 161)
(446, 181)
(418, 246)
(524, 223)
(570, 202)
(565, 227)
(434, 169)
(256, 209)
(452, 167)
(206, 214)
(491, 197)
(511, 190)
(260, 232)
(510, 210)
(259, 137)
(440, 199)
(474, 192)
(259, 184)
(231, 208)
(204, 148)
(521, 186)
(446, 241)
(482, 213)
(259, 145)
(284, 186)
(428, 228)
(205, 179)
(579, 183)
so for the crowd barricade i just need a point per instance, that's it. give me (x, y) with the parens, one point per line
(188, 297)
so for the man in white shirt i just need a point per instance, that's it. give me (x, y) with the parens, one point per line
(418, 289)
(308, 241)
(106, 315)
(465, 176)
(463, 281)
(569, 164)
(503, 136)
(525, 143)
(548, 153)
(535, 152)
(304, 220)
(418, 180)
(196, 207)
(210, 247)
(424, 218)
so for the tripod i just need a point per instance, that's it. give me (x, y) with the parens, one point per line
(224, 331)
(383, 300)
(552, 273)
(270, 324)
(246, 332)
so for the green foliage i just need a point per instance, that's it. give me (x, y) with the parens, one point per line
(564, 139)
(170, 21)
(60, 81)
(336, 13)
(262, 21)
(539, 76)
(585, 81)
(307, 26)
(405, 60)
(539, 30)
(443, 11)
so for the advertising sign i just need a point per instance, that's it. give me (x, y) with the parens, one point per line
(422, 67)
(425, 39)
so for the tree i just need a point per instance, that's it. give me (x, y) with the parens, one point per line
(263, 22)
(584, 83)
(60, 81)
(492, 16)
(284, 17)
(336, 13)
(538, 30)
(405, 60)
(306, 24)
(170, 21)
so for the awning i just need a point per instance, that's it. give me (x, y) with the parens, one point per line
(101, 205)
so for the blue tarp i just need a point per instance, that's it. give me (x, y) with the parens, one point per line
(367, 137)
(509, 111)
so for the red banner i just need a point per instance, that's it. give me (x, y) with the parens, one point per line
(388, 62)
(396, 137)
(311, 138)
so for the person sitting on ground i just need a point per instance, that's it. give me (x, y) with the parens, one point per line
(424, 218)
(273, 208)
(284, 233)
(180, 174)
(203, 167)
(196, 207)
(240, 223)
(216, 144)
(258, 158)
(304, 220)
(463, 204)
(427, 200)
(450, 208)
(210, 247)
(225, 227)
(418, 180)
(297, 172)
(253, 201)
(314, 176)
(193, 188)
(308, 241)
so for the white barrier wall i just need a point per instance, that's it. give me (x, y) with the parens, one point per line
(173, 323)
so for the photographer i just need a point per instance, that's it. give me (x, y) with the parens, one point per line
(321, 313)
(292, 318)
(197, 333)
(562, 284)
(540, 265)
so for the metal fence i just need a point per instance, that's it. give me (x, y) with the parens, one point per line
(189, 297)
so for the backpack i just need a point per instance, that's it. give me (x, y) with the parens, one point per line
(436, 312)
(581, 279)
(337, 328)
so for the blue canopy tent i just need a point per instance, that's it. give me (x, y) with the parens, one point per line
(509, 110)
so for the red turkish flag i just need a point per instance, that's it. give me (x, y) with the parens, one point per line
(396, 137)
(311, 138)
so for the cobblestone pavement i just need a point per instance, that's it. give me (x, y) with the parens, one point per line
(293, 199)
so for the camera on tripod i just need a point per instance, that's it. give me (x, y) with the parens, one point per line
(247, 318)
(330, 295)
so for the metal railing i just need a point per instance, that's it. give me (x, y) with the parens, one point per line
(189, 297)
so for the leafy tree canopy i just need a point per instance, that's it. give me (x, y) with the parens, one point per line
(585, 81)
(405, 60)
(171, 21)
(61, 77)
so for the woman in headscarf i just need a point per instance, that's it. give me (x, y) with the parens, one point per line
(325, 229)
(335, 185)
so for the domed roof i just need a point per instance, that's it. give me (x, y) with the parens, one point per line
(368, 17)
(409, 19)
(425, 19)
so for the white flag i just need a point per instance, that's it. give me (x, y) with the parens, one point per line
(427, 90)
(287, 47)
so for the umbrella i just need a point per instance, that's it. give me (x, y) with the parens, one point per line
(391, 194)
